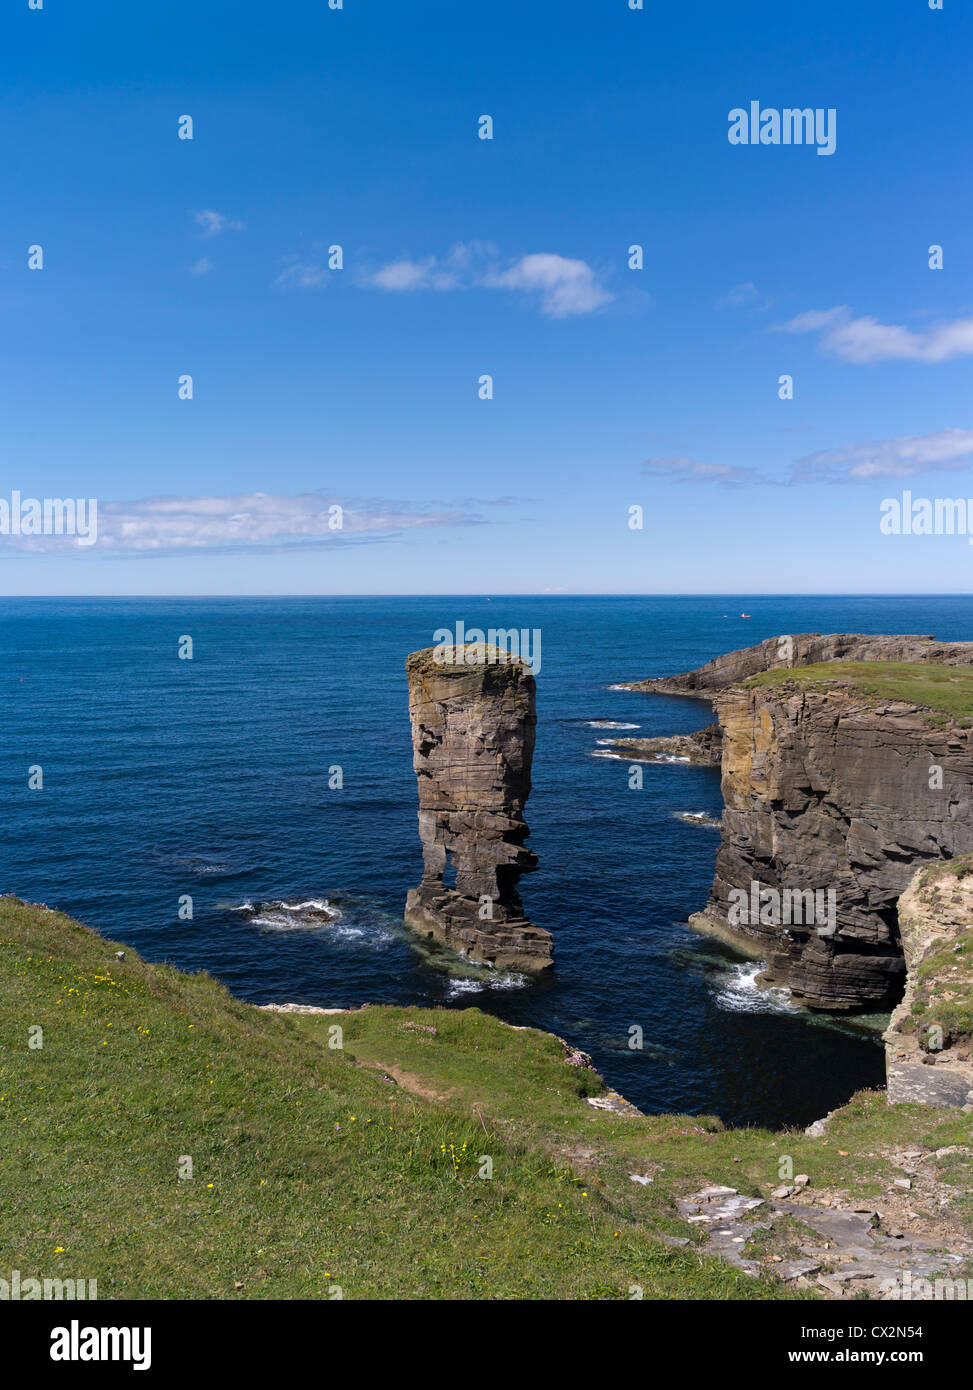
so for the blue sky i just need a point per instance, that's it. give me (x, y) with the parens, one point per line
(613, 387)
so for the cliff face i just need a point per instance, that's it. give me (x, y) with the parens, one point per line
(804, 649)
(826, 788)
(927, 1045)
(473, 731)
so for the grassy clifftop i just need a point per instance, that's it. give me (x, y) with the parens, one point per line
(359, 1168)
(945, 689)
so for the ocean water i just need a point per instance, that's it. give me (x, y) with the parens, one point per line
(210, 777)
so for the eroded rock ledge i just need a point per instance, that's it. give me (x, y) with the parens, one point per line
(701, 747)
(473, 726)
(803, 649)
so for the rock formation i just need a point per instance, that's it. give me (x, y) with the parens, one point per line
(927, 1045)
(803, 649)
(702, 747)
(473, 724)
(826, 787)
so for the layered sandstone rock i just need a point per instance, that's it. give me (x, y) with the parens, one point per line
(702, 747)
(927, 1045)
(825, 788)
(473, 724)
(804, 649)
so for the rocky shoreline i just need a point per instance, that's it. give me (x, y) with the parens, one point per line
(701, 748)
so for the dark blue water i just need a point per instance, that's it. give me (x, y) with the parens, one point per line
(210, 778)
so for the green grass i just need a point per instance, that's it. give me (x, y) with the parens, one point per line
(311, 1171)
(943, 689)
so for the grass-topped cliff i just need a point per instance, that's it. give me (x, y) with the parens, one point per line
(316, 1168)
(943, 689)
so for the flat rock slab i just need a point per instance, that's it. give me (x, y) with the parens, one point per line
(789, 1270)
(842, 1228)
(616, 1104)
(918, 1084)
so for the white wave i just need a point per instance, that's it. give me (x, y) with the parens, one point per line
(610, 724)
(280, 915)
(317, 904)
(634, 757)
(739, 992)
(463, 985)
(510, 981)
(278, 920)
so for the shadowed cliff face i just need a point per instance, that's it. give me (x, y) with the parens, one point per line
(473, 728)
(826, 788)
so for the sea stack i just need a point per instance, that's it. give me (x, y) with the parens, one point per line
(473, 724)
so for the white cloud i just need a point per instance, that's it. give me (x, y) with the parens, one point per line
(812, 321)
(202, 267)
(744, 296)
(943, 451)
(866, 339)
(256, 521)
(215, 223)
(563, 287)
(405, 275)
(684, 470)
(303, 275)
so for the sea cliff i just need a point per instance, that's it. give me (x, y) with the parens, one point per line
(847, 763)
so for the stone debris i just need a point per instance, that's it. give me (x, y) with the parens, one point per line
(849, 1247)
(719, 1210)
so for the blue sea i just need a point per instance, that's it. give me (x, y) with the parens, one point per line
(211, 778)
